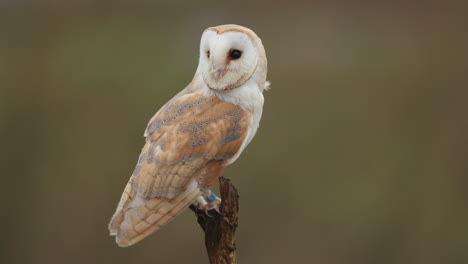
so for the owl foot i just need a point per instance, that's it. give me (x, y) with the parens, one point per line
(211, 203)
(214, 203)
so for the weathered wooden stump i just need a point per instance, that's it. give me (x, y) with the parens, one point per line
(220, 229)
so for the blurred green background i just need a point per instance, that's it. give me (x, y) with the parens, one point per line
(361, 156)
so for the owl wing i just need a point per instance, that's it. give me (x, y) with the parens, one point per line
(188, 143)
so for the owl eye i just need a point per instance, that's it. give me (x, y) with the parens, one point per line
(208, 54)
(235, 54)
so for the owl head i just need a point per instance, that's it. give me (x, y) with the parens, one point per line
(230, 55)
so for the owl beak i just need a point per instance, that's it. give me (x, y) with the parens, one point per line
(218, 74)
(218, 64)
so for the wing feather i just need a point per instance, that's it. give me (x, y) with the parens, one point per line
(134, 228)
(188, 143)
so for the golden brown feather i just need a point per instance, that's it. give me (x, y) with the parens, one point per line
(188, 141)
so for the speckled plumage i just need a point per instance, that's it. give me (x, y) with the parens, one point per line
(189, 142)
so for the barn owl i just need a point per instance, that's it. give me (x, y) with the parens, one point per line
(195, 135)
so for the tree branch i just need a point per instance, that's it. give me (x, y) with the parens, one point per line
(220, 229)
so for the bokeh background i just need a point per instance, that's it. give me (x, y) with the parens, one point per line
(361, 157)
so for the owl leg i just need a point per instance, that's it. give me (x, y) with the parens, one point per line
(202, 203)
(211, 203)
(214, 202)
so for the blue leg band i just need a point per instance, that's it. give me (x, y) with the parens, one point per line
(211, 198)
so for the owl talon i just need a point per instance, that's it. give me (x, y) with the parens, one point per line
(207, 214)
(209, 207)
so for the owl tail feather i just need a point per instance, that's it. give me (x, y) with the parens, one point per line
(117, 218)
(135, 221)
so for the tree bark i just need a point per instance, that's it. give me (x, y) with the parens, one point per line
(220, 229)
